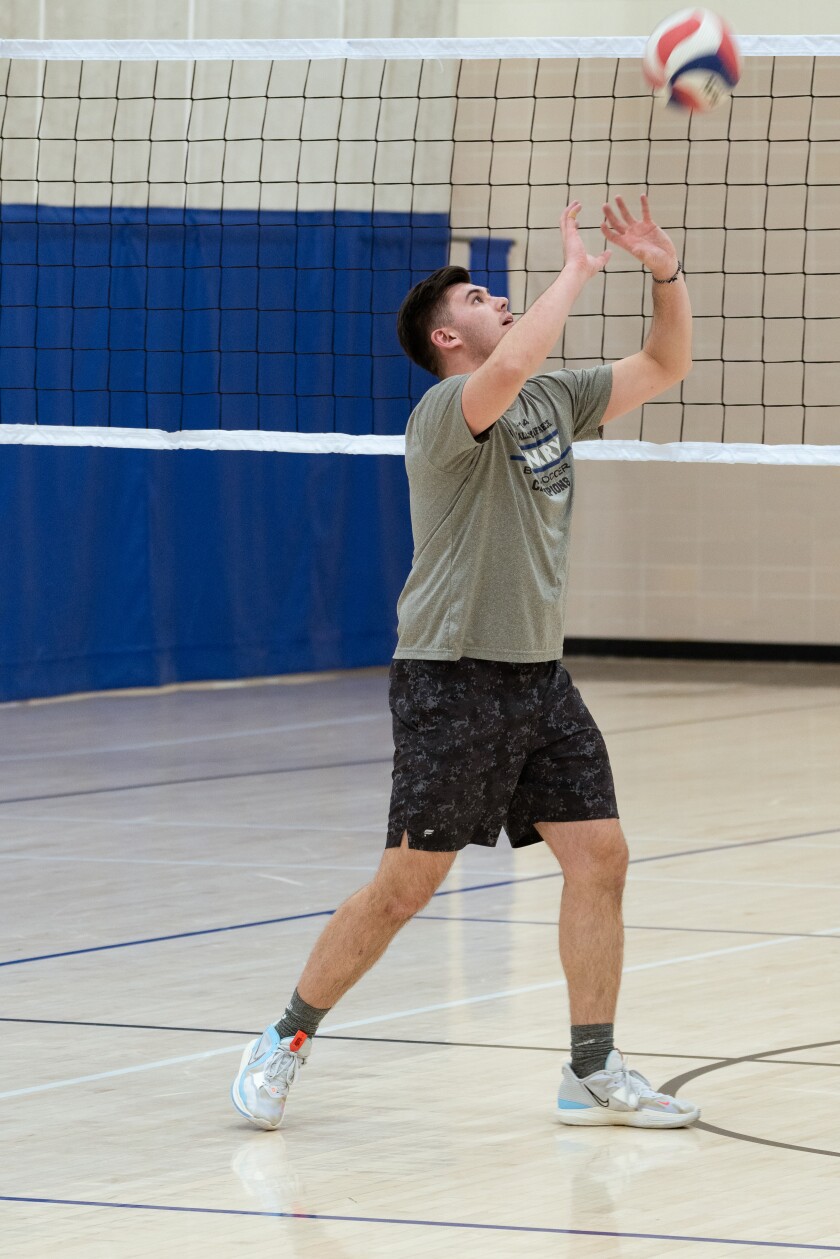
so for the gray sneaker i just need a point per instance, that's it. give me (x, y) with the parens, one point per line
(617, 1095)
(267, 1071)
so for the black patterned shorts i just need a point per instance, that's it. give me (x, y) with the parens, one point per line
(483, 744)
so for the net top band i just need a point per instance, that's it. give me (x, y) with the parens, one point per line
(281, 442)
(384, 49)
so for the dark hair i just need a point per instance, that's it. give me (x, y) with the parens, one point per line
(420, 312)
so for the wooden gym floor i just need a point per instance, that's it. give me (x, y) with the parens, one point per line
(167, 860)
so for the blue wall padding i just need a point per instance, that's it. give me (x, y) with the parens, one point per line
(489, 263)
(174, 319)
(128, 568)
(135, 568)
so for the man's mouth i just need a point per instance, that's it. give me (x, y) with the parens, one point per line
(508, 319)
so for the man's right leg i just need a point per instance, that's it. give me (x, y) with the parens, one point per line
(362, 927)
(353, 940)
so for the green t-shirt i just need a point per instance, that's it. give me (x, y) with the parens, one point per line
(490, 518)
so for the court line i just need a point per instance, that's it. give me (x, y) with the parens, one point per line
(628, 926)
(152, 861)
(204, 778)
(408, 1040)
(701, 721)
(375, 1040)
(345, 721)
(671, 1086)
(303, 768)
(479, 999)
(661, 856)
(181, 935)
(395, 1220)
(159, 823)
(134, 1070)
(477, 887)
(560, 982)
(198, 738)
(653, 878)
(779, 1145)
(165, 824)
(741, 843)
(552, 874)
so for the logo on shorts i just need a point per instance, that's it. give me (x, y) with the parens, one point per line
(425, 833)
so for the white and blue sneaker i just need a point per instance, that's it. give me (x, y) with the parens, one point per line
(617, 1095)
(268, 1069)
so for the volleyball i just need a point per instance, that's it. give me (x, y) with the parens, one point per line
(692, 60)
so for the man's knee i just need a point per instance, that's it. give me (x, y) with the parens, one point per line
(407, 879)
(399, 905)
(594, 851)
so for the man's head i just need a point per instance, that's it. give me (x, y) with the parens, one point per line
(448, 325)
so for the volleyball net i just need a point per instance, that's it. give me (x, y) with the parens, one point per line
(204, 244)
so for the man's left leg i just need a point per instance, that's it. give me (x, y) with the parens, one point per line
(597, 1087)
(593, 856)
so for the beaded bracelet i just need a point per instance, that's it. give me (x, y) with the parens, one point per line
(673, 277)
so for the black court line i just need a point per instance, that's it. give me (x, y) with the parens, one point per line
(384, 1040)
(456, 891)
(671, 1086)
(387, 760)
(662, 856)
(396, 1220)
(703, 721)
(408, 1040)
(204, 778)
(744, 843)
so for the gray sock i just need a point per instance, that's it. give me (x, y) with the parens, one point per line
(300, 1017)
(592, 1044)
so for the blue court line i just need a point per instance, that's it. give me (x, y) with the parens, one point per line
(455, 891)
(378, 1219)
(180, 935)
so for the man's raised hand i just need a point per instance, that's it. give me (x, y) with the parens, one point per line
(575, 250)
(641, 238)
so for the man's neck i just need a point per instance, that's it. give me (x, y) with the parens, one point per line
(463, 367)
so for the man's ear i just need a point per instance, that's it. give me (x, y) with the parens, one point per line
(445, 339)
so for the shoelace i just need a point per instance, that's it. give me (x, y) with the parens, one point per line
(284, 1066)
(628, 1090)
(645, 1089)
(632, 1086)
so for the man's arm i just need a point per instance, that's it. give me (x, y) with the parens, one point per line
(491, 388)
(666, 357)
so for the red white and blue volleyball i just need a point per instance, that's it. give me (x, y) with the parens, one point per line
(692, 60)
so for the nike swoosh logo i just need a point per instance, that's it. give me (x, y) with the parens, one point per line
(595, 1096)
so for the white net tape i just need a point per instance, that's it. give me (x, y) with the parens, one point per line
(352, 444)
(385, 49)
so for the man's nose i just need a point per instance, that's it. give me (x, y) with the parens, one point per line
(502, 302)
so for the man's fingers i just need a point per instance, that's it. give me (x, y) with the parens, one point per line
(609, 215)
(615, 237)
(625, 213)
(646, 209)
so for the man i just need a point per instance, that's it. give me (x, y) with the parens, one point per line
(488, 729)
